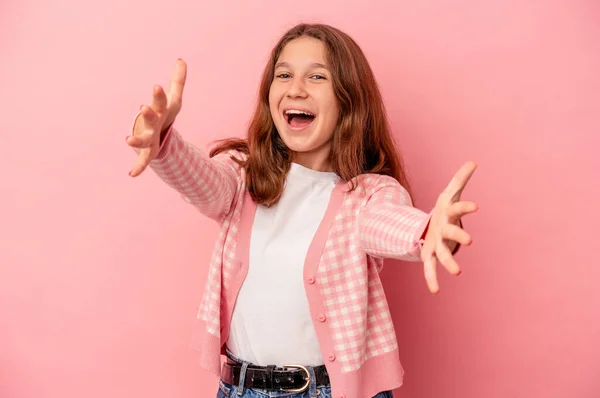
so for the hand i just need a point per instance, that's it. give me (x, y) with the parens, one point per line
(155, 118)
(444, 232)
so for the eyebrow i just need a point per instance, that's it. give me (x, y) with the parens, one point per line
(313, 65)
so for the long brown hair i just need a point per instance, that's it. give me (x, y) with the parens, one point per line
(362, 141)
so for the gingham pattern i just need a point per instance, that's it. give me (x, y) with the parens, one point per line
(379, 221)
(375, 221)
(208, 184)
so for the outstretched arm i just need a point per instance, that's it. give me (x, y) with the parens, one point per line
(209, 184)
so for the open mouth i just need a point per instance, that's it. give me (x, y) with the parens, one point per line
(299, 119)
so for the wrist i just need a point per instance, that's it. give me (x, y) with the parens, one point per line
(164, 132)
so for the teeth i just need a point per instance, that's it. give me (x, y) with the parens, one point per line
(297, 112)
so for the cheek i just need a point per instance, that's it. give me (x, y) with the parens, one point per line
(272, 100)
(275, 94)
(333, 112)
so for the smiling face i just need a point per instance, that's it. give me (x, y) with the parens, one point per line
(302, 102)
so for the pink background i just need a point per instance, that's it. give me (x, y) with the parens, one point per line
(101, 275)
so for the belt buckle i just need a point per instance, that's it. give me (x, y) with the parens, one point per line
(304, 387)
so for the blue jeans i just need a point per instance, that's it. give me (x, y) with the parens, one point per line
(229, 391)
(314, 391)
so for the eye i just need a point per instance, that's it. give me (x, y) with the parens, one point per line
(318, 77)
(283, 76)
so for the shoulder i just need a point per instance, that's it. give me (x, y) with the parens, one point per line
(232, 158)
(230, 150)
(232, 154)
(370, 183)
(378, 190)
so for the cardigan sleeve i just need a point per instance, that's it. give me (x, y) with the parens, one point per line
(209, 184)
(388, 224)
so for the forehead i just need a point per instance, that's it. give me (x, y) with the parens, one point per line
(303, 51)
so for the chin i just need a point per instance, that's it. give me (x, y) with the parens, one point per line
(298, 143)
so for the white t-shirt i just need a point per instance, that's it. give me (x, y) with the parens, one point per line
(271, 322)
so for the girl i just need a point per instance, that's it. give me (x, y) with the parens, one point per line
(309, 205)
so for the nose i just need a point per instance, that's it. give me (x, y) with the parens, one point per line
(297, 88)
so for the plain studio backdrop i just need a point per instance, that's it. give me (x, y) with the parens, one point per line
(101, 274)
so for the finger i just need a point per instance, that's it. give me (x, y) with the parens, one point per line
(141, 141)
(460, 179)
(146, 121)
(141, 162)
(430, 270)
(459, 209)
(159, 99)
(177, 82)
(445, 257)
(456, 233)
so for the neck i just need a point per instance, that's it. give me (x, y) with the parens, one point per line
(317, 163)
(316, 159)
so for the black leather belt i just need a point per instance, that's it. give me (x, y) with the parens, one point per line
(291, 378)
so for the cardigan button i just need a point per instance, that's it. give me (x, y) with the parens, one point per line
(322, 318)
(311, 279)
(331, 357)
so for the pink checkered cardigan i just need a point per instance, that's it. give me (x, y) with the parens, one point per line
(341, 271)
